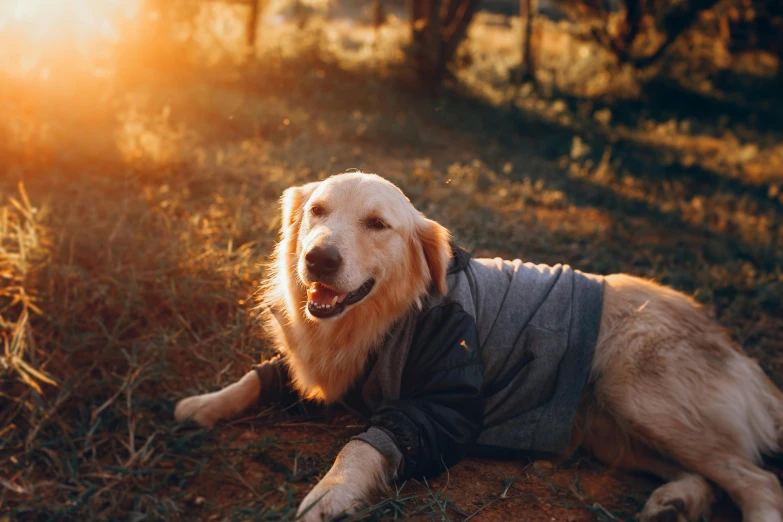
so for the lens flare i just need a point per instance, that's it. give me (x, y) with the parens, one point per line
(30, 29)
(51, 19)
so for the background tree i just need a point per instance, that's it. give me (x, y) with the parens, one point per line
(437, 28)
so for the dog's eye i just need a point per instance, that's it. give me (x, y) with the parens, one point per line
(316, 210)
(376, 224)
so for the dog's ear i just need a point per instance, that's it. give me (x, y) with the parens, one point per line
(435, 241)
(292, 202)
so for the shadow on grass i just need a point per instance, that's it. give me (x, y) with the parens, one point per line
(518, 132)
(736, 101)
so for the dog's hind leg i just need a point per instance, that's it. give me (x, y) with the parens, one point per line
(685, 497)
(757, 492)
(690, 497)
(719, 432)
(675, 383)
(232, 400)
(698, 456)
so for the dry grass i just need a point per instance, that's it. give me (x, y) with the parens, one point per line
(130, 256)
(23, 256)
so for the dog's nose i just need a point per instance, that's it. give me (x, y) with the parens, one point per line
(323, 260)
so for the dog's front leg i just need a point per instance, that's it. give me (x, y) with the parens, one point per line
(232, 400)
(359, 471)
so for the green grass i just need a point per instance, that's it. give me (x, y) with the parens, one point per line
(131, 254)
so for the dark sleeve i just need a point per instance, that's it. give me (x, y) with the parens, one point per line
(440, 411)
(275, 383)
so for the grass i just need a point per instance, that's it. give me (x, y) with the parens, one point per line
(132, 249)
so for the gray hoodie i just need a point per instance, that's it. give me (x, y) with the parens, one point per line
(500, 361)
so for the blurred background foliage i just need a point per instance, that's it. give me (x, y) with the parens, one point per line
(144, 145)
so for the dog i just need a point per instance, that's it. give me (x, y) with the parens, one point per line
(371, 305)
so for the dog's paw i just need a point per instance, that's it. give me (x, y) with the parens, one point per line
(671, 510)
(330, 499)
(199, 409)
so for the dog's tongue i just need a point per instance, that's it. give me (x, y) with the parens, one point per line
(323, 295)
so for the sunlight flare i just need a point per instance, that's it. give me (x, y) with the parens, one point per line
(37, 35)
(31, 30)
(50, 19)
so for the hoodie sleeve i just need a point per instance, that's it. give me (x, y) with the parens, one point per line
(275, 383)
(440, 410)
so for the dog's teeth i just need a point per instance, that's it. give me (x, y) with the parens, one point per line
(334, 300)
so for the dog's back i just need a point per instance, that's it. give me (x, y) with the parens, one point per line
(537, 326)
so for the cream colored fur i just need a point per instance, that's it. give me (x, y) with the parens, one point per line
(669, 393)
(326, 356)
(358, 472)
(229, 402)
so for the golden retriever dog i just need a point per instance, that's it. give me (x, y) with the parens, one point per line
(665, 390)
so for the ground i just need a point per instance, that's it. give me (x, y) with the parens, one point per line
(141, 203)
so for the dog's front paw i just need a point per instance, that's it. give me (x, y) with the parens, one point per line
(329, 499)
(209, 408)
(199, 408)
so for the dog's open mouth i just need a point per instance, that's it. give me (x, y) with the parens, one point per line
(324, 302)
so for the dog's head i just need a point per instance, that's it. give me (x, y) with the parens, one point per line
(354, 240)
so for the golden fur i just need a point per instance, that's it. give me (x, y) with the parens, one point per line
(327, 356)
(669, 393)
(673, 396)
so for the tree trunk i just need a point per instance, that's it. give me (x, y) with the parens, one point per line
(433, 54)
(252, 23)
(449, 11)
(458, 28)
(527, 10)
(417, 21)
(629, 29)
(437, 28)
